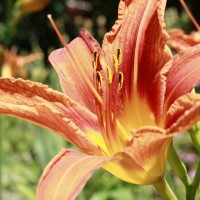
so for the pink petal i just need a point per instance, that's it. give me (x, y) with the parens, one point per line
(66, 175)
(48, 108)
(149, 147)
(183, 114)
(183, 75)
(72, 82)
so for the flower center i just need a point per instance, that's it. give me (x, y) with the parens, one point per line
(109, 88)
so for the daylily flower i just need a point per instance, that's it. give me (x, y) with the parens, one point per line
(14, 65)
(179, 41)
(121, 106)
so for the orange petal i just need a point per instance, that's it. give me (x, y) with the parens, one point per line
(50, 109)
(66, 175)
(159, 86)
(183, 76)
(125, 168)
(183, 114)
(140, 33)
(144, 159)
(152, 55)
(73, 84)
(149, 147)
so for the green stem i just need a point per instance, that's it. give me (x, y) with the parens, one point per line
(196, 181)
(191, 190)
(164, 190)
(178, 166)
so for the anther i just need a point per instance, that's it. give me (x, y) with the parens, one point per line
(99, 78)
(116, 63)
(95, 56)
(119, 56)
(109, 74)
(121, 80)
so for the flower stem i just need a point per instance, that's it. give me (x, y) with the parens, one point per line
(178, 166)
(191, 190)
(164, 190)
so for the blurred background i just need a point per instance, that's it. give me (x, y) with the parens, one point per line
(26, 40)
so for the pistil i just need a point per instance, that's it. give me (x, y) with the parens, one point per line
(75, 60)
(106, 111)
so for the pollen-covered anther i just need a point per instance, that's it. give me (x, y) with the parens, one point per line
(95, 58)
(109, 74)
(99, 79)
(119, 56)
(121, 80)
(116, 63)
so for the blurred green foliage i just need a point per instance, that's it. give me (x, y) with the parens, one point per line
(25, 148)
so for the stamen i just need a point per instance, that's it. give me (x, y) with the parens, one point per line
(105, 115)
(90, 85)
(121, 80)
(109, 74)
(99, 78)
(119, 56)
(95, 57)
(116, 63)
(101, 126)
(190, 15)
(122, 129)
(111, 134)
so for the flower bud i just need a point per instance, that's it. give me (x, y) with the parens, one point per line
(195, 135)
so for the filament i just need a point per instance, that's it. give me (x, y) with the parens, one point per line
(75, 60)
